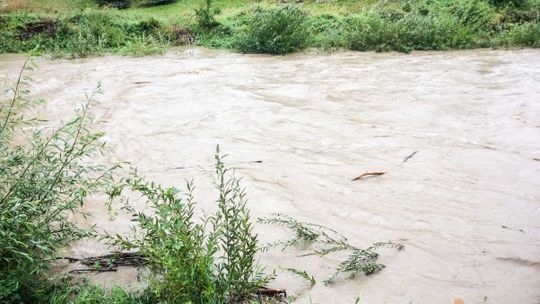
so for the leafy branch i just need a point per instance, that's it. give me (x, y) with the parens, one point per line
(359, 260)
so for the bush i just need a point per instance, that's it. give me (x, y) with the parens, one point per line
(476, 15)
(120, 4)
(278, 30)
(206, 15)
(89, 294)
(42, 181)
(328, 31)
(524, 35)
(369, 31)
(208, 262)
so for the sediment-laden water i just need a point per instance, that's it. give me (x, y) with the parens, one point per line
(466, 205)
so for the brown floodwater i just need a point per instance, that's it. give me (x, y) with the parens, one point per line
(466, 205)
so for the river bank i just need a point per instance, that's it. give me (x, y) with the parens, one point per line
(82, 28)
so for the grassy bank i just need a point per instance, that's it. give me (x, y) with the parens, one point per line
(83, 28)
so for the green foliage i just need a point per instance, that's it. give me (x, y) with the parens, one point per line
(121, 4)
(206, 15)
(42, 180)
(369, 31)
(277, 30)
(475, 14)
(89, 294)
(212, 261)
(303, 274)
(508, 2)
(526, 35)
(83, 34)
(324, 241)
(328, 31)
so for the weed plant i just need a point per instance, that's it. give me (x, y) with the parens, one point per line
(322, 241)
(208, 261)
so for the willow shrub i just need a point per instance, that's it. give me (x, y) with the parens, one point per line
(443, 25)
(211, 260)
(43, 180)
(275, 30)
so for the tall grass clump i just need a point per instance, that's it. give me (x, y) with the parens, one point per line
(328, 31)
(211, 260)
(92, 294)
(275, 30)
(453, 25)
(44, 178)
(83, 34)
(525, 34)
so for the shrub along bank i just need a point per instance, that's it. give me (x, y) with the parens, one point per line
(277, 29)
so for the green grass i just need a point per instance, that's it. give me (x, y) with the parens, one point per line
(81, 28)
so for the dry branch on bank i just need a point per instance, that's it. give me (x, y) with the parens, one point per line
(107, 262)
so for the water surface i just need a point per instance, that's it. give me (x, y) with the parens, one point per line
(466, 205)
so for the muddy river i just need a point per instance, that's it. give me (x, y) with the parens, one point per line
(299, 128)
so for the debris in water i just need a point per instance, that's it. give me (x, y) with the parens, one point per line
(368, 174)
(108, 262)
(410, 155)
(265, 291)
(505, 227)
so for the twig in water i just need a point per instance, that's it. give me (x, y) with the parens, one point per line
(303, 274)
(368, 174)
(506, 227)
(409, 157)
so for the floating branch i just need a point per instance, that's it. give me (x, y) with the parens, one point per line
(368, 174)
(303, 274)
(409, 157)
(359, 260)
